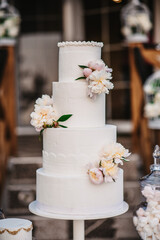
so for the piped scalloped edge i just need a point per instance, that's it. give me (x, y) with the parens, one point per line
(79, 43)
(15, 232)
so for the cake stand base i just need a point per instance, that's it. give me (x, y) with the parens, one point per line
(78, 220)
(33, 207)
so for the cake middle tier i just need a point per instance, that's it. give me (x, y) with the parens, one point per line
(72, 98)
(72, 151)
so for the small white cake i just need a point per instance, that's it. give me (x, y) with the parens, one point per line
(15, 229)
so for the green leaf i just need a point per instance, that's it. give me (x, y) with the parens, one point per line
(83, 66)
(41, 134)
(62, 126)
(80, 78)
(64, 118)
(124, 159)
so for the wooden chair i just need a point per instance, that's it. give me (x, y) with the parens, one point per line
(8, 140)
(142, 136)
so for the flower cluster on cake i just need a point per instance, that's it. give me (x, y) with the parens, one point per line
(45, 116)
(111, 156)
(98, 76)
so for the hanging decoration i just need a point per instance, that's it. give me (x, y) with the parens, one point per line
(136, 21)
(152, 98)
(9, 21)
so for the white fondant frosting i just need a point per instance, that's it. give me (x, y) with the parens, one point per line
(76, 194)
(70, 151)
(72, 98)
(15, 229)
(71, 56)
(63, 184)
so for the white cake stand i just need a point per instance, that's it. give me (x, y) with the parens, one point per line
(78, 220)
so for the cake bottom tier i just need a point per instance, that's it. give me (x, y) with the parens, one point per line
(77, 194)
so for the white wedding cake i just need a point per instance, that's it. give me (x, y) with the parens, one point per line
(78, 175)
(15, 229)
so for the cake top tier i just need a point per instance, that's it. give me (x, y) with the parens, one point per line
(73, 54)
(79, 43)
(14, 224)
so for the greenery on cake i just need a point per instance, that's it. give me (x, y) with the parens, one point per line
(110, 157)
(45, 116)
(98, 76)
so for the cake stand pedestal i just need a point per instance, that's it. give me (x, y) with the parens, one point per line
(78, 219)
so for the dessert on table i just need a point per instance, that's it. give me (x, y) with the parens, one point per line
(15, 229)
(81, 156)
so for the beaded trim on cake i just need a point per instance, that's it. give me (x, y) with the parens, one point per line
(17, 231)
(79, 43)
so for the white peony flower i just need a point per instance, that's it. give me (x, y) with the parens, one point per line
(110, 157)
(42, 115)
(98, 82)
(107, 164)
(111, 174)
(44, 101)
(108, 179)
(152, 110)
(100, 76)
(114, 151)
(2, 30)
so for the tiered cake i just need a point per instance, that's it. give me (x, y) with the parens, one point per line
(63, 185)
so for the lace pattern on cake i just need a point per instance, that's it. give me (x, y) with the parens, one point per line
(80, 162)
(79, 43)
(16, 231)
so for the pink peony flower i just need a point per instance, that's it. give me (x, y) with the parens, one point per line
(97, 65)
(96, 176)
(87, 72)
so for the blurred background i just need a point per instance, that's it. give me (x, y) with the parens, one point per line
(29, 65)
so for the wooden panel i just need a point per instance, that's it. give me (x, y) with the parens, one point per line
(8, 141)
